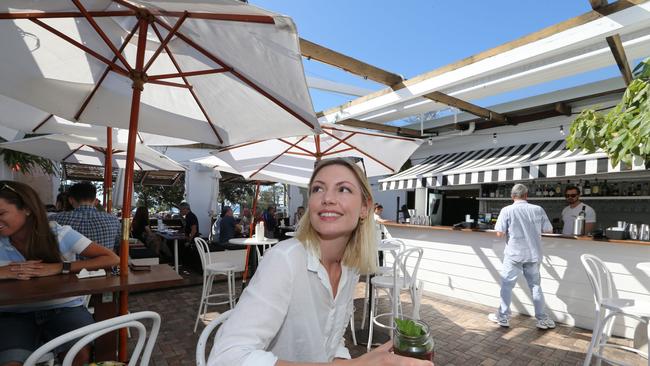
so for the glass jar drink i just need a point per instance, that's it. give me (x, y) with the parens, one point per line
(415, 346)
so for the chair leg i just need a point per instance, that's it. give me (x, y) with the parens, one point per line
(371, 321)
(354, 336)
(201, 303)
(366, 298)
(594, 338)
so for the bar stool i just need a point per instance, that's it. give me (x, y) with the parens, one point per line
(401, 280)
(608, 306)
(210, 271)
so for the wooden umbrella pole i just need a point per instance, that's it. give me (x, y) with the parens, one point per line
(250, 229)
(138, 85)
(108, 171)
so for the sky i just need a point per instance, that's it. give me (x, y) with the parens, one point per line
(411, 37)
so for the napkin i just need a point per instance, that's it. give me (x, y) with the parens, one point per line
(84, 273)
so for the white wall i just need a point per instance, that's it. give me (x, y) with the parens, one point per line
(201, 185)
(466, 266)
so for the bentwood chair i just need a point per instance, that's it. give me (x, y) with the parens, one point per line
(404, 278)
(210, 271)
(87, 334)
(608, 307)
(205, 334)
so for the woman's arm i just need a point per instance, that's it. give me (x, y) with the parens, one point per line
(380, 356)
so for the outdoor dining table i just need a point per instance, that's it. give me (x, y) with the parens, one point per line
(105, 306)
(173, 236)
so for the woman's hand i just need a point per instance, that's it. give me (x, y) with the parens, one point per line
(382, 355)
(33, 268)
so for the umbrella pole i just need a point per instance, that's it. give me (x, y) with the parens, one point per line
(138, 85)
(250, 229)
(108, 171)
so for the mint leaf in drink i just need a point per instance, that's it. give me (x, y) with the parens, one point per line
(409, 328)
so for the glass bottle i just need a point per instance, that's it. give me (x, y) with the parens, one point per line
(605, 189)
(420, 347)
(595, 189)
(558, 188)
(586, 190)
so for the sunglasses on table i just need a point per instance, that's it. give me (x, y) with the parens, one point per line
(571, 195)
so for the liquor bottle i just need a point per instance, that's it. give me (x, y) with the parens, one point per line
(615, 191)
(586, 189)
(579, 185)
(558, 188)
(551, 190)
(544, 191)
(538, 191)
(638, 190)
(646, 190)
(605, 189)
(595, 189)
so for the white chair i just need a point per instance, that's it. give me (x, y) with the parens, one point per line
(608, 306)
(87, 334)
(402, 279)
(210, 271)
(205, 334)
(392, 246)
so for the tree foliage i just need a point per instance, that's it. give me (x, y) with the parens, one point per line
(160, 198)
(26, 163)
(237, 193)
(624, 131)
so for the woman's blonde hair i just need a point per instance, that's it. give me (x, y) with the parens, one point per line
(361, 250)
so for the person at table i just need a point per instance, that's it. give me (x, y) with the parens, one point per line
(297, 306)
(270, 222)
(31, 247)
(100, 227)
(191, 223)
(570, 213)
(298, 215)
(226, 225)
(379, 209)
(245, 222)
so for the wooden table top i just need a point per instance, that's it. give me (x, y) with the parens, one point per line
(13, 292)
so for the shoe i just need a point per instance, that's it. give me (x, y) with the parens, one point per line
(501, 320)
(546, 323)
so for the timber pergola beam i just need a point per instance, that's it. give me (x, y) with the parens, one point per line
(597, 4)
(616, 46)
(325, 55)
(379, 127)
(466, 107)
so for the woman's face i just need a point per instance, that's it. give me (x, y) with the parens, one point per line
(336, 202)
(12, 219)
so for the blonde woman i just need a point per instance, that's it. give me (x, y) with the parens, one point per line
(297, 306)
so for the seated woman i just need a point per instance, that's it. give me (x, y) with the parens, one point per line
(31, 247)
(141, 231)
(297, 306)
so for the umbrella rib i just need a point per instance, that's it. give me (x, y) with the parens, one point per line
(191, 90)
(363, 152)
(42, 123)
(101, 79)
(66, 14)
(164, 43)
(72, 153)
(115, 67)
(370, 134)
(339, 141)
(278, 156)
(188, 73)
(237, 74)
(135, 161)
(299, 147)
(101, 33)
(169, 83)
(231, 147)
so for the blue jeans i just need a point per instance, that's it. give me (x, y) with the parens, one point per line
(509, 274)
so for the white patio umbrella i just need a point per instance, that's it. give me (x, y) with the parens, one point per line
(220, 72)
(291, 160)
(90, 151)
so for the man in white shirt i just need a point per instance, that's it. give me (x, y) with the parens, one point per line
(571, 212)
(522, 225)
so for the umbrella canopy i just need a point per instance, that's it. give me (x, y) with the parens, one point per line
(291, 160)
(22, 119)
(90, 151)
(219, 72)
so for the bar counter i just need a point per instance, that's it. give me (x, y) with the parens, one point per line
(465, 264)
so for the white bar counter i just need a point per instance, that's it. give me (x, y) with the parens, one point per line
(465, 264)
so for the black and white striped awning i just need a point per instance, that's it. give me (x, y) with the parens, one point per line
(548, 159)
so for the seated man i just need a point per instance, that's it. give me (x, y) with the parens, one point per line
(227, 225)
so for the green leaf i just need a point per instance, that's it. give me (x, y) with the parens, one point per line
(409, 328)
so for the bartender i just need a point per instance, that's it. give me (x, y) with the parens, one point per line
(571, 212)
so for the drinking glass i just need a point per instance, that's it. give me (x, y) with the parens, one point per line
(420, 347)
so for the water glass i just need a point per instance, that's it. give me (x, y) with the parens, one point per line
(420, 347)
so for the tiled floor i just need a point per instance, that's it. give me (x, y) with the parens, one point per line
(461, 331)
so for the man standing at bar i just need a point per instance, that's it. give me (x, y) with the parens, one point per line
(100, 227)
(522, 225)
(575, 207)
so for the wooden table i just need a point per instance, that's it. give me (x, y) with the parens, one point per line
(173, 236)
(15, 292)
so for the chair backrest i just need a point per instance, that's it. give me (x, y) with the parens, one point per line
(205, 334)
(90, 332)
(235, 257)
(599, 276)
(411, 256)
(204, 252)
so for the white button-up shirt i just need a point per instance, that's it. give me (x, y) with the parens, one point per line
(287, 312)
(523, 224)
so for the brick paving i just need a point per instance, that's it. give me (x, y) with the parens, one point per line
(462, 333)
